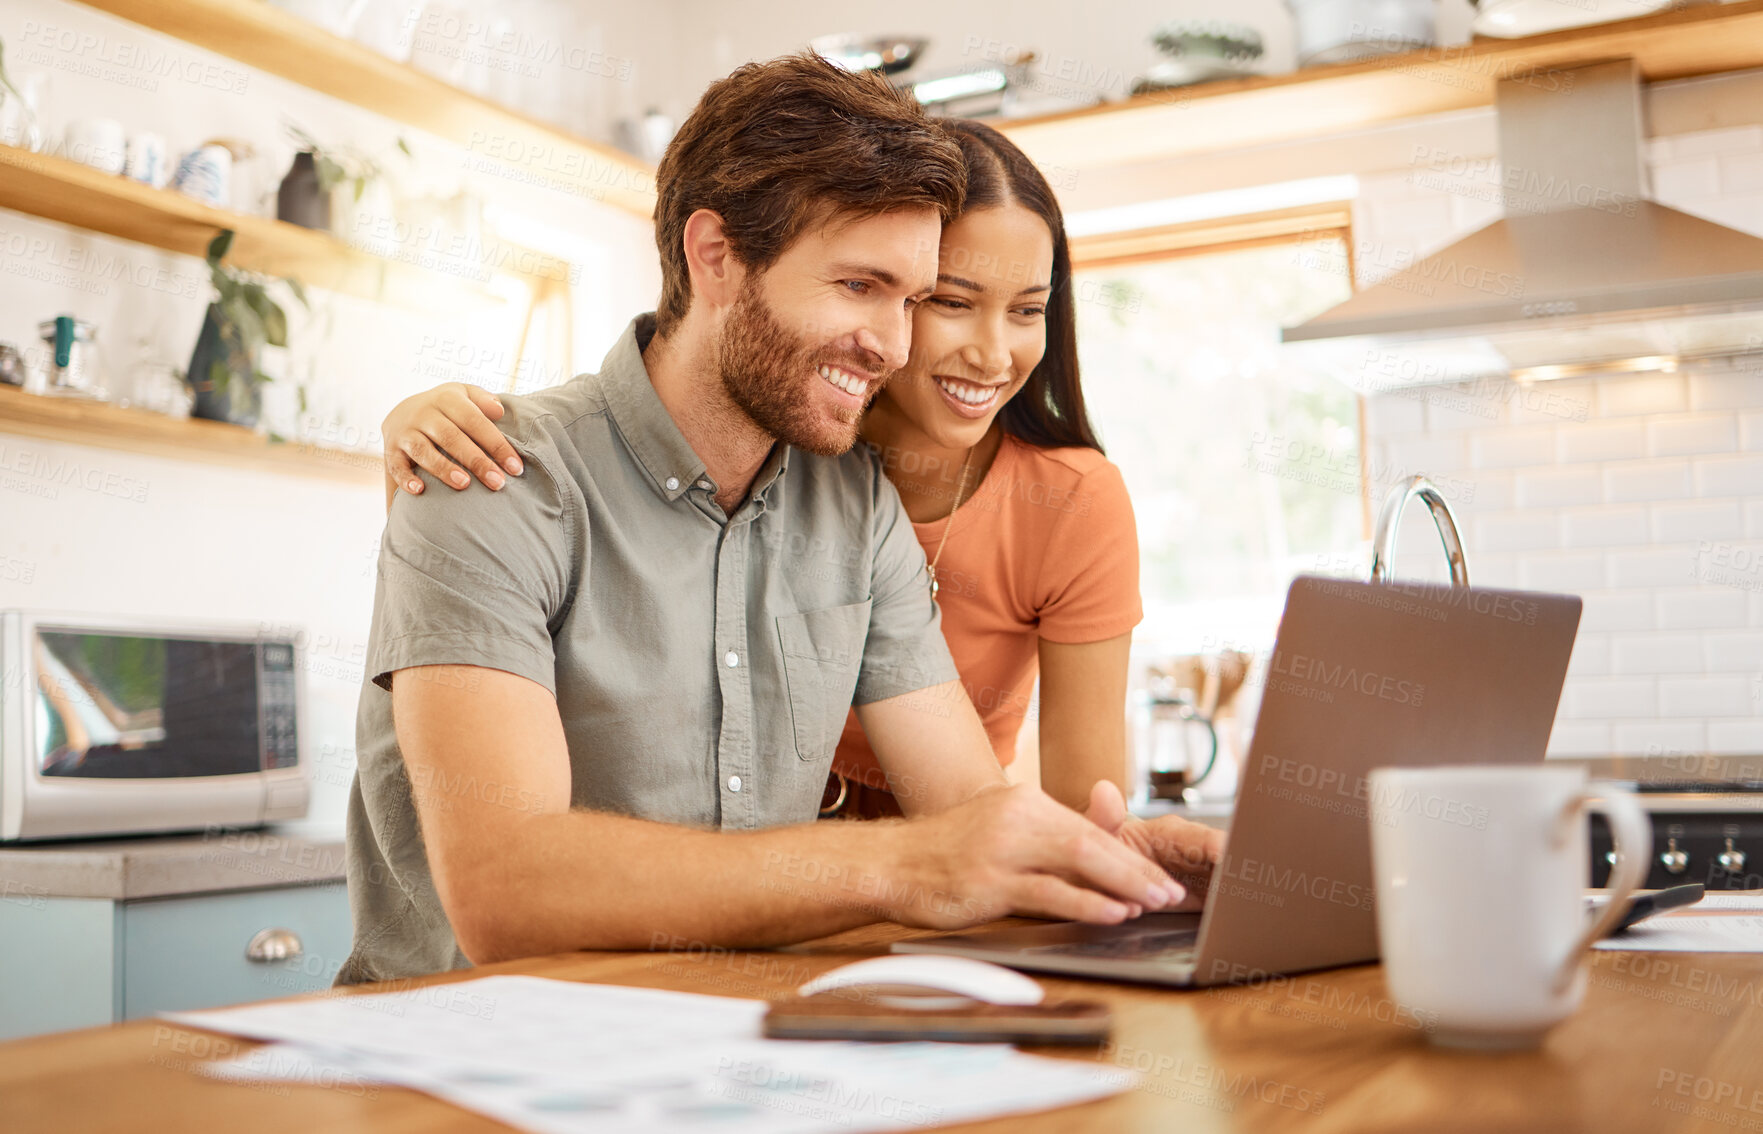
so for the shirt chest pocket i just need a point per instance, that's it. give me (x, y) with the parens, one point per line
(822, 652)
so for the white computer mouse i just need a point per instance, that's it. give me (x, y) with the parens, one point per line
(906, 977)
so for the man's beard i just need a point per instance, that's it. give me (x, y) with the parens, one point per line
(767, 372)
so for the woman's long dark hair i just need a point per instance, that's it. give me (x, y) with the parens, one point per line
(1049, 409)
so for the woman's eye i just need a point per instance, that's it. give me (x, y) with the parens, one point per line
(950, 304)
(1031, 312)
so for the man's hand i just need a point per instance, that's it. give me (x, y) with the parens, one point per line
(1186, 849)
(1016, 850)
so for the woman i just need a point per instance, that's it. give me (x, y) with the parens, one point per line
(1025, 524)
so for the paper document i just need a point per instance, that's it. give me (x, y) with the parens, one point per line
(1687, 933)
(562, 1057)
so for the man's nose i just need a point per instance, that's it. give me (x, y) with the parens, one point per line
(888, 339)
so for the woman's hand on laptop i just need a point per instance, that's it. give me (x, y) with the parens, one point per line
(1015, 850)
(1186, 849)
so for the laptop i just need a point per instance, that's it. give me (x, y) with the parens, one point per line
(1362, 676)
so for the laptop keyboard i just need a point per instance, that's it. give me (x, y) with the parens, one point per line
(1174, 944)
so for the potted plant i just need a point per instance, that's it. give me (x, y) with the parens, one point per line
(241, 320)
(18, 114)
(335, 188)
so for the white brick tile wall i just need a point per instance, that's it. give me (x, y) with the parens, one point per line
(1751, 430)
(1737, 652)
(1487, 570)
(1638, 654)
(1497, 491)
(1742, 173)
(1646, 480)
(1606, 527)
(1681, 180)
(1512, 447)
(1643, 393)
(1698, 520)
(1427, 453)
(1643, 493)
(1553, 488)
(1514, 531)
(1591, 655)
(1551, 403)
(1736, 736)
(1580, 738)
(1659, 736)
(1462, 413)
(1729, 476)
(1653, 567)
(1603, 441)
(1706, 608)
(1562, 572)
(1616, 610)
(1387, 416)
(1727, 140)
(1726, 389)
(1692, 433)
(1610, 698)
(1705, 696)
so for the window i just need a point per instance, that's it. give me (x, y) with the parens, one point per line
(1243, 466)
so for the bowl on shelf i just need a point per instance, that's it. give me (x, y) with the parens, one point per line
(1199, 50)
(1335, 31)
(1511, 19)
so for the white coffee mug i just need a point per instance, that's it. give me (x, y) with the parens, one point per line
(1481, 874)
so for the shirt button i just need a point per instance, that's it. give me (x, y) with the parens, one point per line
(672, 483)
(731, 659)
(705, 485)
(734, 783)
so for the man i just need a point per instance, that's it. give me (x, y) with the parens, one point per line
(603, 706)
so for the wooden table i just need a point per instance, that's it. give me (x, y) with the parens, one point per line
(1665, 1042)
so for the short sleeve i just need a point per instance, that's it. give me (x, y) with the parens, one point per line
(476, 577)
(904, 651)
(1088, 590)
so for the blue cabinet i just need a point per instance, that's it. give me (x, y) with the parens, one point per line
(82, 962)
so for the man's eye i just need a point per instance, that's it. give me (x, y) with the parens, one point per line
(859, 287)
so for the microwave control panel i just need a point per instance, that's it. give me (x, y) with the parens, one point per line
(276, 681)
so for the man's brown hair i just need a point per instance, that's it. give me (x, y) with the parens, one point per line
(777, 146)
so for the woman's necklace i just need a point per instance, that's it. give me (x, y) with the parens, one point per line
(960, 487)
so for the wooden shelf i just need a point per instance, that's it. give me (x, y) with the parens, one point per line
(69, 193)
(261, 36)
(1235, 114)
(210, 442)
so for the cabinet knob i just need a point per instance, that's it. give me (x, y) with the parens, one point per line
(274, 945)
(1731, 860)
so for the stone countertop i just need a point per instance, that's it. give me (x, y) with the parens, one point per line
(163, 866)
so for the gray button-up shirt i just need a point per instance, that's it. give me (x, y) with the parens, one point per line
(703, 663)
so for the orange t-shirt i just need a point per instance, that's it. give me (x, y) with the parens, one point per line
(1046, 548)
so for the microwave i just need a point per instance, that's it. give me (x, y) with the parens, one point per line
(109, 727)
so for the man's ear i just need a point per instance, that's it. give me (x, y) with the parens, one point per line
(716, 273)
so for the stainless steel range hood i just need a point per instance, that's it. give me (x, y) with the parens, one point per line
(1584, 274)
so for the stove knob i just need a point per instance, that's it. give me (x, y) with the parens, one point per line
(1673, 860)
(1731, 859)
